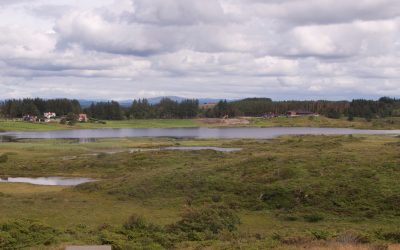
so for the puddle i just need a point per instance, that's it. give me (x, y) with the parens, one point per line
(184, 148)
(47, 181)
(204, 148)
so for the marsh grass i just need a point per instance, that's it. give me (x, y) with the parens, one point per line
(286, 192)
(321, 121)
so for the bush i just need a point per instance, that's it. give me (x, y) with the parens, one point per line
(3, 158)
(101, 155)
(278, 198)
(197, 223)
(313, 218)
(334, 114)
(135, 222)
(390, 236)
(25, 233)
(352, 238)
(320, 235)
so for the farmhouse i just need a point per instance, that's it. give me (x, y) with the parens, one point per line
(48, 116)
(83, 118)
(30, 118)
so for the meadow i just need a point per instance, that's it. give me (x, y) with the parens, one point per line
(286, 193)
(321, 121)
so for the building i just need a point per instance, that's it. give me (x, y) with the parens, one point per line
(30, 118)
(294, 113)
(270, 115)
(49, 115)
(83, 118)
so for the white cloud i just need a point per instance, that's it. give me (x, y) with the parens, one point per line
(218, 48)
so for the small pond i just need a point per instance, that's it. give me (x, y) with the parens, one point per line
(203, 148)
(183, 148)
(47, 181)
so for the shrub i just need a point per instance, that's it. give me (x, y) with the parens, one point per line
(390, 236)
(208, 220)
(352, 238)
(135, 222)
(350, 118)
(25, 233)
(101, 155)
(332, 113)
(278, 198)
(3, 158)
(320, 235)
(313, 218)
(216, 198)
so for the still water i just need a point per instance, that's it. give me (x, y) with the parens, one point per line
(227, 133)
(47, 181)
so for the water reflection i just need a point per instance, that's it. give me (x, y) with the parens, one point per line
(87, 135)
(86, 140)
(7, 138)
(47, 181)
(203, 148)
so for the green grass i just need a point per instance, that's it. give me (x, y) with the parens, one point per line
(285, 191)
(359, 123)
(321, 121)
(156, 123)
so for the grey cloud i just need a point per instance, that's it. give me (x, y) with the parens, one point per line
(13, 2)
(177, 12)
(212, 48)
(300, 12)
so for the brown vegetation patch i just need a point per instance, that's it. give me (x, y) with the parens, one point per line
(225, 122)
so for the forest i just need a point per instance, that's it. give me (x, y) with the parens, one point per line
(190, 108)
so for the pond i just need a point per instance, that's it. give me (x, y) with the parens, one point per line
(183, 148)
(47, 181)
(218, 149)
(227, 133)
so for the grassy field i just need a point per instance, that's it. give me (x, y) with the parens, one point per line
(285, 193)
(152, 123)
(384, 123)
(321, 121)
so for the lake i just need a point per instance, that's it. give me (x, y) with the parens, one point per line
(226, 133)
(47, 181)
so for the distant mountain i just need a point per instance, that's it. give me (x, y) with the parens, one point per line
(85, 103)
(154, 100)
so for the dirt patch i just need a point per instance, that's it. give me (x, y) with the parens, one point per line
(225, 122)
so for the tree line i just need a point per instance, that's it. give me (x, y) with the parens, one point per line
(189, 108)
(17, 108)
(384, 107)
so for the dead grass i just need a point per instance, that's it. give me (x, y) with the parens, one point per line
(341, 246)
(225, 122)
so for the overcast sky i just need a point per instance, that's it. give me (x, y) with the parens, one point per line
(123, 49)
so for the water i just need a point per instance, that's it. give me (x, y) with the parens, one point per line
(228, 133)
(203, 148)
(47, 181)
(183, 148)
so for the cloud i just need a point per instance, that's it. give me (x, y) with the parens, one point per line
(311, 12)
(294, 49)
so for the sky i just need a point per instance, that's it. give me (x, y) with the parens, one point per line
(125, 49)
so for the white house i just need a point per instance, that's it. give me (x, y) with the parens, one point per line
(49, 115)
(83, 118)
